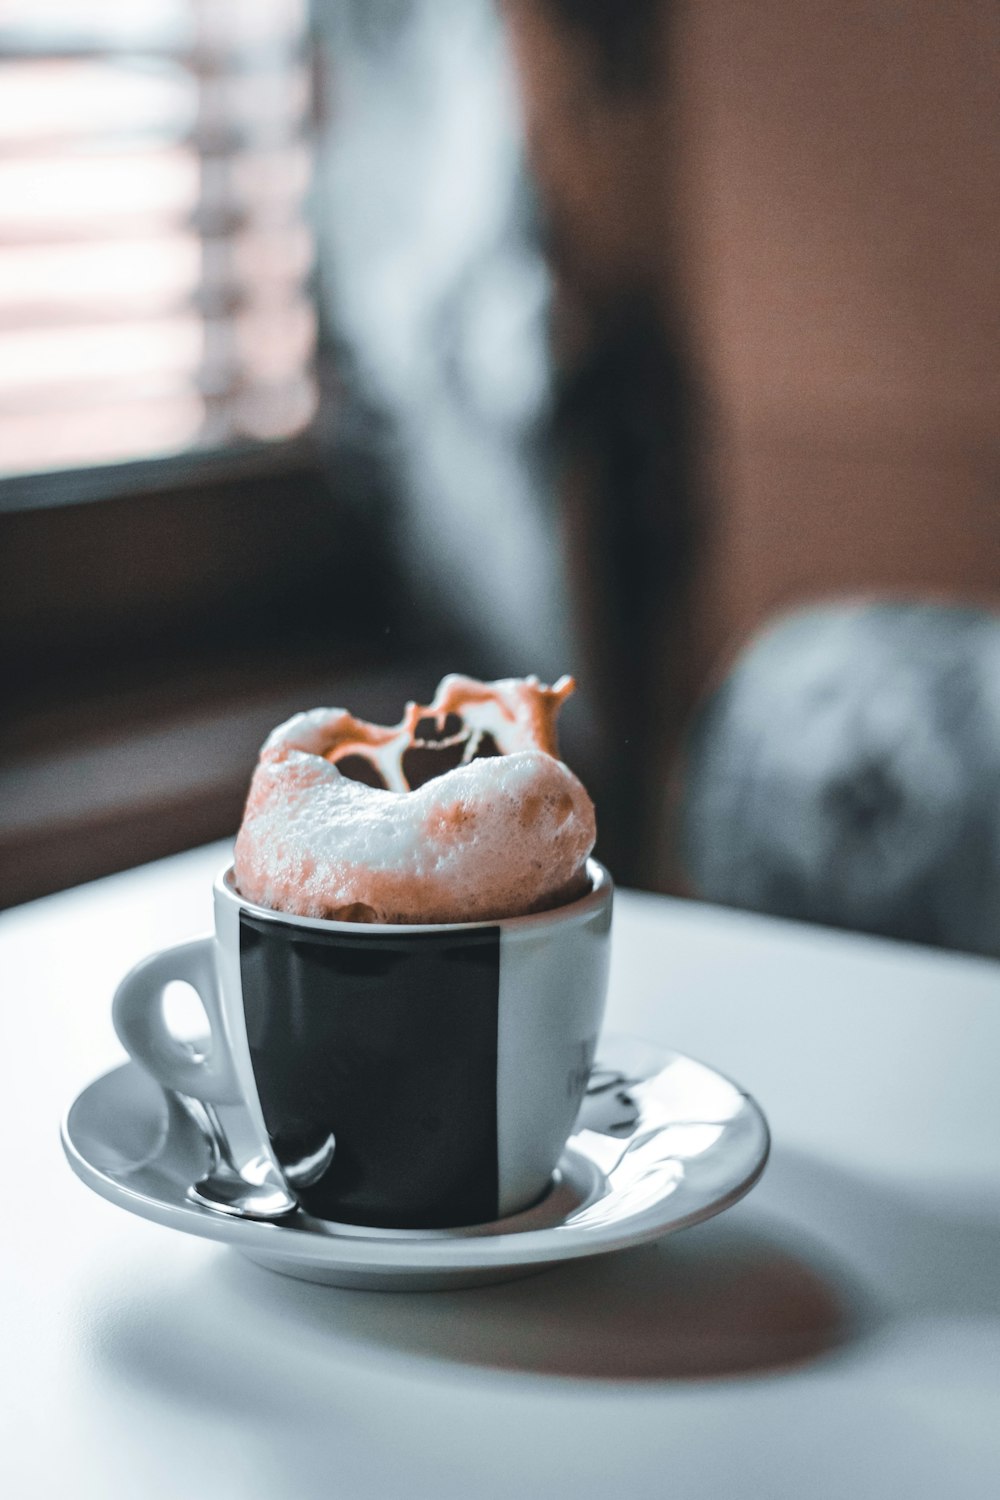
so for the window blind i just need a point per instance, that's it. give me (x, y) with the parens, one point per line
(155, 252)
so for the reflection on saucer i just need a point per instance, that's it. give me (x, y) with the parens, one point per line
(608, 1108)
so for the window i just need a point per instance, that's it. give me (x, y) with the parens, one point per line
(155, 255)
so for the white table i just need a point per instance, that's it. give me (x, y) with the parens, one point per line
(837, 1334)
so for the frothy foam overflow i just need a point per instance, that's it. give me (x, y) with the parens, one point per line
(461, 812)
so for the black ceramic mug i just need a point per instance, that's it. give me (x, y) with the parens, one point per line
(408, 1077)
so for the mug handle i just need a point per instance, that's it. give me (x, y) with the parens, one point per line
(138, 1018)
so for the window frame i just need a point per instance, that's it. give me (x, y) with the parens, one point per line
(74, 655)
(172, 471)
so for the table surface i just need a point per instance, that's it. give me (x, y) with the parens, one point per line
(835, 1334)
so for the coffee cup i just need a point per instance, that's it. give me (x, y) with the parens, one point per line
(396, 1076)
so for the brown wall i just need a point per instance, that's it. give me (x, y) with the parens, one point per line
(814, 187)
(805, 194)
(837, 206)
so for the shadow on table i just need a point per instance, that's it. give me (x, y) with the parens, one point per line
(721, 1300)
(731, 1297)
(816, 1262)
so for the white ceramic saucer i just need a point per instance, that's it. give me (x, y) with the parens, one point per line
(661, 1142)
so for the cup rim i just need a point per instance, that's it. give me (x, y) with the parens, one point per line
(599, 894)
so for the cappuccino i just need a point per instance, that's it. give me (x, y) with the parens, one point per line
(462, 812)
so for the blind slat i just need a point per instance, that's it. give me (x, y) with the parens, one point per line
(155, 252)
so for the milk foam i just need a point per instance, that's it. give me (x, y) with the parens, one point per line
(492, 838)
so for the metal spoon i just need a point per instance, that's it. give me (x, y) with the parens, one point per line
(250, 1193)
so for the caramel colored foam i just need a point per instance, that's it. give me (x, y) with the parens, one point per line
(491, 838)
